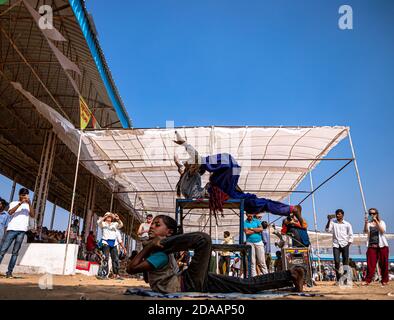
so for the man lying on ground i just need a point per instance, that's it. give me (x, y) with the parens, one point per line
(157, 259)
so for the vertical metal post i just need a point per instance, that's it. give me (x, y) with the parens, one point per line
(269, 239)
(217, 241)
(132, 242)
(315, 221)
(241, 222)
(112, 196)
(72, 202)
(53, 214)
(43, 176)
(357, 173)
(210, 224)
(177, 211)
(181, 216)
(13, 190)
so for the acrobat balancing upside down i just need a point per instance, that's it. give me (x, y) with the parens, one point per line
(225, 172)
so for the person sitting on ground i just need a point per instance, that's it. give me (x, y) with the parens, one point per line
(157, 259)
(223, 182)
(44, 235)
(109, 225)
(62, 237)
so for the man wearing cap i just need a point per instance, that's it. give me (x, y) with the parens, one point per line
(4, 219)
(20, 211)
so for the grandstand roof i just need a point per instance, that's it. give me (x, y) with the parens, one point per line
(26, 57)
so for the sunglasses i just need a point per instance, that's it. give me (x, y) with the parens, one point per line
(371, 213)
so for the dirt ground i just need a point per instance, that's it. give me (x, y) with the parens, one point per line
(80, 287)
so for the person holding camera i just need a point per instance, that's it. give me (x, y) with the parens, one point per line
(378, 247)
(110, 223)
(20, 212)
(342, 238)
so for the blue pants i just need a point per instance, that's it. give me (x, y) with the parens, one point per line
(2, 235)
(225, 175)
(10, 236)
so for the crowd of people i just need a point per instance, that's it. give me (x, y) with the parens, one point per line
(43, 235)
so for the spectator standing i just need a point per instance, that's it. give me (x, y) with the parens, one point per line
(20, 212)
(253, 229)
(4, 219)
(91, 241)
(119, 243)
(267, 244)
(378, 247)
(109, 225)
(90, 246)
(342, 238)
(224, 260)
(144, 228)
(278, 262)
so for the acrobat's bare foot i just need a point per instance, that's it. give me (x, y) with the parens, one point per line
(298, 276)
(179, 140)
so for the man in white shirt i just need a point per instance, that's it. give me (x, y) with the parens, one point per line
(144, 228)
(20, 211)
(342, 238)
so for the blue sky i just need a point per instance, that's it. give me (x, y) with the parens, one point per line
(282, 62)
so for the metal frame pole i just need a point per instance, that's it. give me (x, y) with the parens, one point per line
(241, 222)
(217, 242)
(112, 196)
(357, 173)
(53, 214)
(13, 190)
(72, 202)
(315, 220)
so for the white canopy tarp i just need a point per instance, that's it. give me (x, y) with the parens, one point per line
(138, 163)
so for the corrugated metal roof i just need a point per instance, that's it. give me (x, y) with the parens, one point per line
(26, 57)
